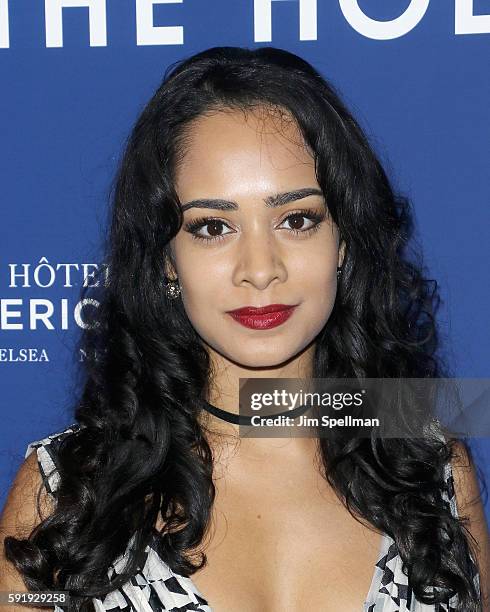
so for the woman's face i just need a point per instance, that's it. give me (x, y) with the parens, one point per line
(237, 249)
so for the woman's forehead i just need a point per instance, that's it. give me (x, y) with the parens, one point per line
(231, 147)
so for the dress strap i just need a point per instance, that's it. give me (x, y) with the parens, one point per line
(47, 450)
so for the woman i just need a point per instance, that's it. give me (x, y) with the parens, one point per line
(246, 182)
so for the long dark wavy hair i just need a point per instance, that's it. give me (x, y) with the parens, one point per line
(141, 449)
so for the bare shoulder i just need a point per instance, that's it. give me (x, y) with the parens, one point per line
(28, 503)
(470, 506)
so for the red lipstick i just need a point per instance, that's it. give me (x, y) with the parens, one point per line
(264, 317)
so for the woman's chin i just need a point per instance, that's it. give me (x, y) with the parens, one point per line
(256, 359)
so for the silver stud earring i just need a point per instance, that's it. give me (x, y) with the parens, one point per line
(339, 272)
(172, 290)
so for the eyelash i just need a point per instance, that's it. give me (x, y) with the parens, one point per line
(193, 226)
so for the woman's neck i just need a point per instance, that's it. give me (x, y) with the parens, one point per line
(223, 393)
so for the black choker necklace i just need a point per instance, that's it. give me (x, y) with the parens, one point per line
(244, 419)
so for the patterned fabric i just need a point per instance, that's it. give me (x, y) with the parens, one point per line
(157, 588)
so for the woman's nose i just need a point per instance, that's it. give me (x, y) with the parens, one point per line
(260, 261)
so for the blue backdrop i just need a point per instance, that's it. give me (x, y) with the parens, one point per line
(74, 75)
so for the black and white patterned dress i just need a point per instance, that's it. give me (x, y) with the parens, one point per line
(156, 587)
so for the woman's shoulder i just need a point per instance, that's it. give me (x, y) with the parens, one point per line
(460, 487)
(155, 582)
(28, 502)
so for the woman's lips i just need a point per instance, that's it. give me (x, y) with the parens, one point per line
(262, 320)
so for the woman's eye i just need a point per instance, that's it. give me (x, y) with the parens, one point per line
(206, 229)
(298, 226)
(297, 223)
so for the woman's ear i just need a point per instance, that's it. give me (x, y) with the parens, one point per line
(342, 248)
(169, 267)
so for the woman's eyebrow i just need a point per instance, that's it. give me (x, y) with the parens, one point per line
(279, 199)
